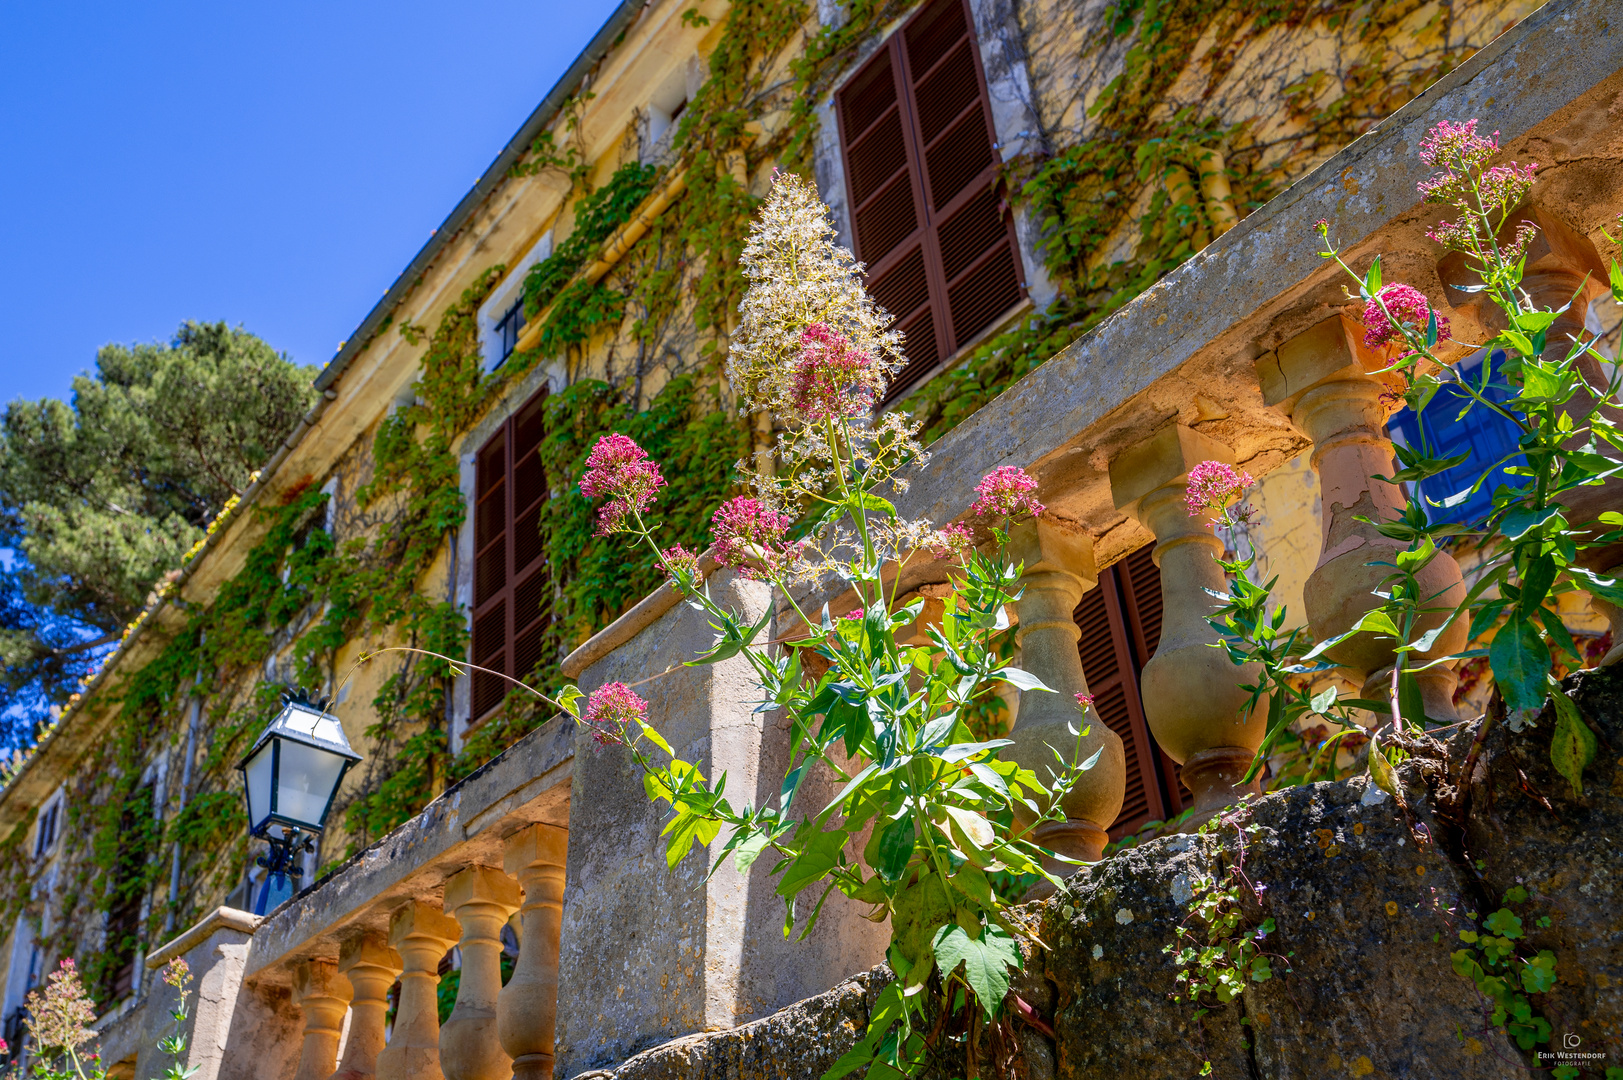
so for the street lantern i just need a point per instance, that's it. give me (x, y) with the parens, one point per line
(289, 780)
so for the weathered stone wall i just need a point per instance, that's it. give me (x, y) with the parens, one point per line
(1366, 919)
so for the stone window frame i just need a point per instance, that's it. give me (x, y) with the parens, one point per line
(1007, 81)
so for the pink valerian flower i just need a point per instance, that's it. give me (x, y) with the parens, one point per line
(1007, 491)
(60, 1014)
(749, 537)
(855, 614)
(951, 541)
(610, 711)
(177, 973)
(1085, 701)
(1408, 307)
(621, 471)
(679, 560)
(1459, 153)
(1212, 484)
(831, 377)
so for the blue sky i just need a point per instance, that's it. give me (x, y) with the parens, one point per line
(271, 165)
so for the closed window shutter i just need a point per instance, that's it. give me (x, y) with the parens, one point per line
(921, 170)
(1120, 623)
(512, 593)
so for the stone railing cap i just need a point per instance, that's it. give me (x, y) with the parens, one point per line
(221, 918)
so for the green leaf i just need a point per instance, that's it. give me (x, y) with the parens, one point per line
(747, 851)
(870, 501)
(1520, 662)
(820, 855)
(1536, 584)
(1538, 976)
(1379, 622)
(567, 698)
(1411, 705)
(1024, 680)
(1574, 745)
(986, 961)
(1372, 280)
(1381, 771)
(1323, 700)
(896, 846)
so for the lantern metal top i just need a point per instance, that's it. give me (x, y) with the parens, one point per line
(306, 721)
(278, 771)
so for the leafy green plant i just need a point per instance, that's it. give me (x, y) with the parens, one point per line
(1530, 549)
(947, 821)
(1496, 959)
(1533, 545)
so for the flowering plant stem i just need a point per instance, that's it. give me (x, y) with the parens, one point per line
(1544, 535)
(930, 827)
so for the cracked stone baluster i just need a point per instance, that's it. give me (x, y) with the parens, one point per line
(323, 994)
(480, 898)
(1321, 380)
(422, 934)
(1058, 569)
(1192, 695)
(527, 1011)
(371, 967)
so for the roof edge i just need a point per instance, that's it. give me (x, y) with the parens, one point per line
(544, 113)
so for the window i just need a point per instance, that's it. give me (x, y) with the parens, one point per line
(137, 832)
(512, 591)
(1481, 434)
(1121, 626)
(507, 331)
(921, 170)
(45, 838)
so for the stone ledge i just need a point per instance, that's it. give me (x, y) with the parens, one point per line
(221, 918)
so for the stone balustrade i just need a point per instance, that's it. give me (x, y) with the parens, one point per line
(1322, 379)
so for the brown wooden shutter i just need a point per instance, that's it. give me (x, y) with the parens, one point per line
(512, 590)
(1121, 626)
(921, 169)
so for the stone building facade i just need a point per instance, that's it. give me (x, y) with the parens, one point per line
(1097, 235)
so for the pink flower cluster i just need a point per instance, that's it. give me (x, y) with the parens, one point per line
(1085, 701)
(1458, 152)
(679, 560)
(1212, 484)
(832, 378)
(951, 541)
(610, 710)
(621, 471)
(749, 537)
(1408, 308)
(1007, 491)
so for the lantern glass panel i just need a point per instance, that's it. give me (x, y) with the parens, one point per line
(307, 776)
(258, 775)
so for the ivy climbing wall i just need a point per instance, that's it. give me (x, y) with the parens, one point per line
(1142, 108)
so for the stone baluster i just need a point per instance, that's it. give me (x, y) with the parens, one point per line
(1321, 380)
(423, 934)
(323, 994)
(481, 898)
(527, 1014)
(1191, 690)
(1057, 569)
(371, 967)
